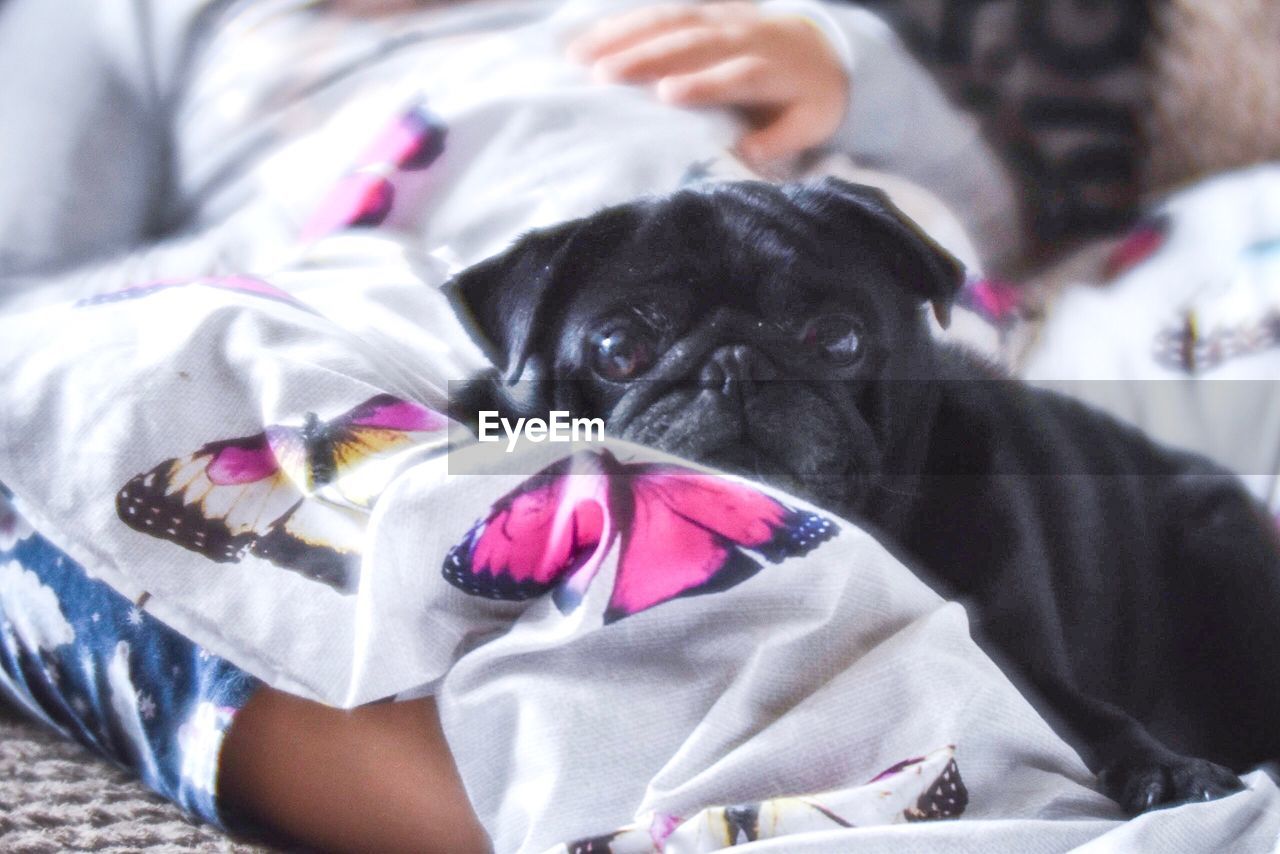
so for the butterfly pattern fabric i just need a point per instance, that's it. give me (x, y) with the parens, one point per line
(925, 788)
(998, 303)
(1235, 318)
(681, 533)
(294, 496)
(1142, 242)
(238, 284)
(364, 198)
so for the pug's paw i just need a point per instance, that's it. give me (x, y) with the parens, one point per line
(1167, 779)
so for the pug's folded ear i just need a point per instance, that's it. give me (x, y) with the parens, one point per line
(489, 392)
(509, 303)
(917, 261)
(502, 301)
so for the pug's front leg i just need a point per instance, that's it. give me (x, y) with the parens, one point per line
(1153, 776)
(1133, 767)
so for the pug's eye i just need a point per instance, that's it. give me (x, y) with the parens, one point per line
(621, 352)
(836, 337)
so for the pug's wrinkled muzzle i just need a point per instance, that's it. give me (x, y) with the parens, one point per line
(729, 404)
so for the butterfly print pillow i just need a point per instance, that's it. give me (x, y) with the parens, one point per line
(365, 197)
(680, 533)
(289, 495)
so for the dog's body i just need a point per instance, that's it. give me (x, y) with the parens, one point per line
(778, 332)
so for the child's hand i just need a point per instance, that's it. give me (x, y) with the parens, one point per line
(780, 71)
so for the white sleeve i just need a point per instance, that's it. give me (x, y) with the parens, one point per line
(88, 86)
(85, 86)
(898, 120)
(76, 144)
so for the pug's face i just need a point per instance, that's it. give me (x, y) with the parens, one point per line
(774, 332)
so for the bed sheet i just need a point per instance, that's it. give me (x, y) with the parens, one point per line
(263, 462)
(1180, 335)
(603, 694)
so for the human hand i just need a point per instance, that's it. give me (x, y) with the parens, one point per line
(779, 71)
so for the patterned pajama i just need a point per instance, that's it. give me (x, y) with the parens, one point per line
(94, 666)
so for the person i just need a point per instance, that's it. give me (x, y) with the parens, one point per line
(379, 777)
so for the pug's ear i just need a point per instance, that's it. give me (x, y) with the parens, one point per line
(491, 392)
(917, 261)
(503, 300)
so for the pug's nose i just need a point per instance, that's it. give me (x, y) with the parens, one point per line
(731, 366)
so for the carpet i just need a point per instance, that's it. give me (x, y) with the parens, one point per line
(55, 796)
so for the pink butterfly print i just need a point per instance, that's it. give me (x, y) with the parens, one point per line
(995, 301)
(240, 284)
(258, 494)
(366, 195)
(1145, 240)
(682, 533)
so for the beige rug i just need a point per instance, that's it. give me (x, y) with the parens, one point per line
(55, 796)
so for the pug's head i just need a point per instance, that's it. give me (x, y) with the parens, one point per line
(775, 331)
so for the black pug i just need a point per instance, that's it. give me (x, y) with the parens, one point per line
(1132, 590)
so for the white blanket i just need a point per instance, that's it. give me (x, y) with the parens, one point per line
(1182, 338)
(263, 465)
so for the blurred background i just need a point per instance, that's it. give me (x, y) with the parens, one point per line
(1099, 105)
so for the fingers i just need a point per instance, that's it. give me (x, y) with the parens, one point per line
(791, 131)
(621, 32)
(779, 72)
(741, 80)
(677, 52)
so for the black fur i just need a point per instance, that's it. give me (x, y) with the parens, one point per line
(1131, 590)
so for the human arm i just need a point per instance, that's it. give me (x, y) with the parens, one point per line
(811, 76)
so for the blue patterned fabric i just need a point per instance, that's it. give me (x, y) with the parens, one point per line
(96, 667)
